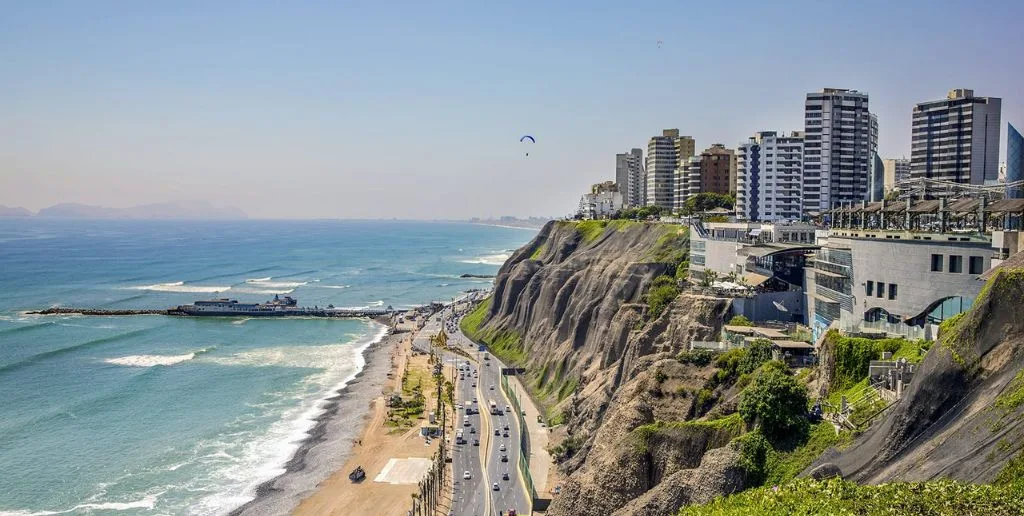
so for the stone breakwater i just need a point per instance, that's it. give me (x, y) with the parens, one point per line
(302, 312)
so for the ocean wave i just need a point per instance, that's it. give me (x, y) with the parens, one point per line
(262, 291)
(266, 283)
(491, 259)
(147, 503)
(336, 287)
(180, 286)
(155, 360)
(372, 304)
(259, 458)
(75, 347)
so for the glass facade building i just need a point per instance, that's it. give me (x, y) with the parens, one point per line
(1014, 161)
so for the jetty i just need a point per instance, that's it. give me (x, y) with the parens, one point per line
(178, 312)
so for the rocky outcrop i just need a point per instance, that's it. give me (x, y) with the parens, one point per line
(719, 474)
(962, 417)
(575, 298)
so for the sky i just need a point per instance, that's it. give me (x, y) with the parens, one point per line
(415, 109)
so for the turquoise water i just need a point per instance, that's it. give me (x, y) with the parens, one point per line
(108, 415)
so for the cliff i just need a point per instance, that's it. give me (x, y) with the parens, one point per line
(962, 417)
(573, 307)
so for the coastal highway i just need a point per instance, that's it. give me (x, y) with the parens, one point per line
(511, 493)
(469, 495)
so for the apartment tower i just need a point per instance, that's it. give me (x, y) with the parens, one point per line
(837, 148)
(956, 139)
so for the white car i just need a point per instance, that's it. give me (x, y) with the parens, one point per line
(466, 475)
(501, 448)
(495, 487)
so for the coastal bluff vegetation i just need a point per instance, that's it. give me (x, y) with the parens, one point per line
(596, 314)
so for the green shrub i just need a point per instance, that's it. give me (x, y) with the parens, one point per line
(853, 355)
(759, 352)
(660, 376)
(837, 496)
(661, 293)
(698, 357)
(755, 451)
(740, 320)
(775, 402)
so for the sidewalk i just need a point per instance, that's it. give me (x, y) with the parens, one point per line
(540, 459)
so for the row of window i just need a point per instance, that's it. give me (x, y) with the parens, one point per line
(870, 289)
(975, 264)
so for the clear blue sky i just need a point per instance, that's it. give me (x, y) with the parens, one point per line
(415, 109)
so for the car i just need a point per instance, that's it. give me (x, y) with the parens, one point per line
(497, 432)
(506, 427)
(492, 387)
(466, 475)
(474, 399)
(472, 429)
(505, 434)
(508, 408)
(495, 486)
(473, 386)
(504, 476)
(504, 457)
(501, 448)
(476, 442)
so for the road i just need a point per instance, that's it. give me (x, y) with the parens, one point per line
(511, 493)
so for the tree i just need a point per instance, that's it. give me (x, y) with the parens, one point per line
(709, 279)
(759, 352)
(740, 320)
(706, 201)
(776, 402)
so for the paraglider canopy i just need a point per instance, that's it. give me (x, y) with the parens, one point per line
(525, 138)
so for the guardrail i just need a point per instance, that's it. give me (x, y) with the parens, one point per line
(524, 440)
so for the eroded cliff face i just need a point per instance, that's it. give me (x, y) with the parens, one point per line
(575, 301)
(962, 417)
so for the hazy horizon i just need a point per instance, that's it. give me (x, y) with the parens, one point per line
(414, 111)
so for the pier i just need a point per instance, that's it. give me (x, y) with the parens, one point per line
(176, 312)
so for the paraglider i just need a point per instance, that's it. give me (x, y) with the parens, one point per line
(527, 137)
(659, 43)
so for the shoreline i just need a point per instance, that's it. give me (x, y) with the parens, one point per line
(331, 439)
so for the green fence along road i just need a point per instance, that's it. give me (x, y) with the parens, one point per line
(524, 439)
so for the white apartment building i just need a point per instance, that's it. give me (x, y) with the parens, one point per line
(956, 139)
(837, 148)
(769, 171)
(630, 177)
(665, 153)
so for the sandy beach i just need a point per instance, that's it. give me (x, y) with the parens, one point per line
(377, 445)
(333, 437)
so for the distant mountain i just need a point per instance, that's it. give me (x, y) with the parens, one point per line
(14, 211)
(194, 210)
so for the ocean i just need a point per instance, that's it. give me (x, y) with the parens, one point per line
(163, 415)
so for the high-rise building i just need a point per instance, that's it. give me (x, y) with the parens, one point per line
(896, 170)
(956, 139)
(1014, 161)
(837, 148)
(629, 176)
(665, 153)
(687, 181)
(769, 169)
(876, 170)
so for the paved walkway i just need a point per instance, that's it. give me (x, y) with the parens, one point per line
(540, 459)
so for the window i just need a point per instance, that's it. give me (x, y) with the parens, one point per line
(976, 263)
(881, 289)
(892, 291)
(956, 264)
(870, 287)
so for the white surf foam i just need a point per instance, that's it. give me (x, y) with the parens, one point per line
(154, 360)
(147, 503)
(336, 287)
(180, 286)
(266, 283)
(264, 457)
(490, 259)
(262, 291)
